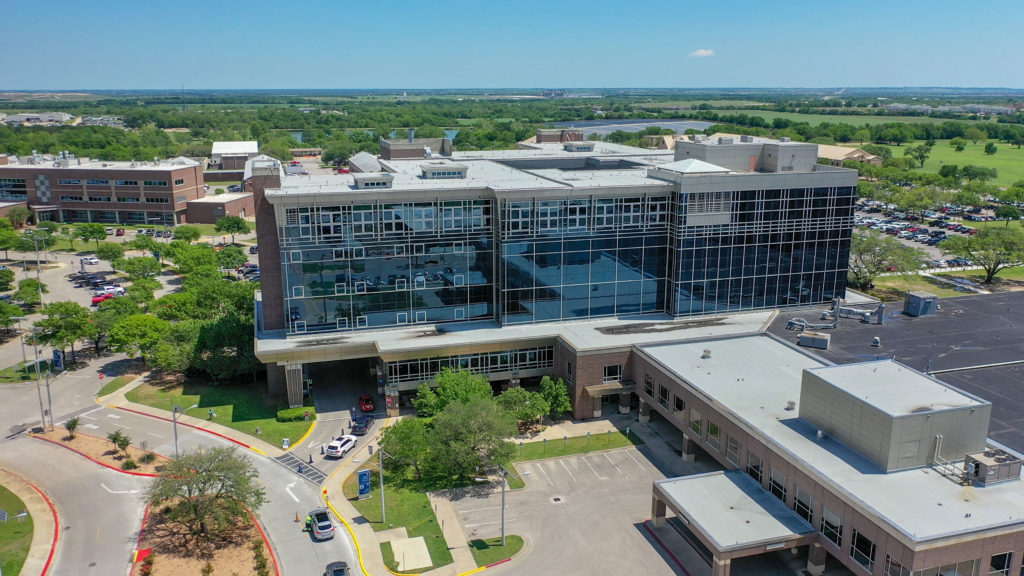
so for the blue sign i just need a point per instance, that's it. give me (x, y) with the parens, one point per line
(364, 484)
(58, 361)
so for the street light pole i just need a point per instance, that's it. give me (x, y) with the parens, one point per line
(383, 510)
(49, 399)
(174, 417)
(39, 390)
(24, 362)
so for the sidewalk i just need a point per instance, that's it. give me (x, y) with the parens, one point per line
(118, 400)
(458, 545)
(44, 529)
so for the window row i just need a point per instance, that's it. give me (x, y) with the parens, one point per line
(580, 215)
(484, 363)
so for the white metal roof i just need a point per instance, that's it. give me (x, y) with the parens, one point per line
(236, 148)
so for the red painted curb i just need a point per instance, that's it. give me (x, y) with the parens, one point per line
(647, 526)
(56, 522)
(104, 464)
(180, 423)
(145, 516)
(266, 540)
(493, 564)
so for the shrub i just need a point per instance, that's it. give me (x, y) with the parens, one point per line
(148, 458)
(296, 414)
(129, 464)
(208, 569)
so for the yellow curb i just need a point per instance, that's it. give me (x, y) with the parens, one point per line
(359, 551)
(257, 450)
(298, 442)
(474, 571)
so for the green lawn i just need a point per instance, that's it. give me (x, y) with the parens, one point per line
(15, 536)
(891, 288)
(1006, 279)
(569, 446)
(16, 373)
(838, 119)
(490, 550)
(243, 408)
(406, 506)
(1008, 160)
(115, 384)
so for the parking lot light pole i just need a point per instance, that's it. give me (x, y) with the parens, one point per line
(39, 389)
(504, 480)
(381, 453)
(24, 361)
(174, 417)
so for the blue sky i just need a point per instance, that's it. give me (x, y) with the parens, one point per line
(342, 44)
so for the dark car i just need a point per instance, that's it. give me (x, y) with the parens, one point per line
(361, 425)
(254, 250)
(336, 569)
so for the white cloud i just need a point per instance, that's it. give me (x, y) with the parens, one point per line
(702, 53)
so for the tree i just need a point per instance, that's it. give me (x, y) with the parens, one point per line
(138, 267)
(208, 490)
(990, 148)
(109, 251)
(951, 171)
(525, 406)
(470, 435)
(557, 395)
(65, 324)
(972, 172)
(1007, 212)
(18, 216)
(190, 258)
(232, 225)
(142, 289)
(426, 402)
(225, 349)
(231, 257)
(137, 334)
(958, 144)
(452, 386)
(6, 279)
(29, 291)
(919, 153)
(872, 253)
(117, 439)
(407, 441)
(176, 350)
(92, 231)
(71, 424)
(146, 244)
(8, 237)
(975, 134)
(994, 249)
(187, 233)
(8, 313)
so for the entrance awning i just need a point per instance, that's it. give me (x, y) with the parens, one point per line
(732, 514)
(606, 388)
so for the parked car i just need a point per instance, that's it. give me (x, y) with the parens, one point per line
(336, 569)
(366, 403)
(112, 290)
(101, 298)
(90, 260)
(120, 232)
(361, 425)
(254, 250)
(341, 445)
(320, 525)
(110, 231)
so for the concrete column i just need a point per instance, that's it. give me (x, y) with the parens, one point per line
(816, 556)
(720, 567)
(644, 411)
(657, 512)
(597, 400)
(275, 380)
(689, 450)
(293, 382)
(624, 402)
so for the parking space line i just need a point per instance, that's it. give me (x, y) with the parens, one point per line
(562, 462)
(483, 524)
(482, 509)
(599, 477)
(630, 454)
(541, 470)
(609, 459)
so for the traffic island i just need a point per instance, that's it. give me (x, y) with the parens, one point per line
(490, 552)
(107, 452)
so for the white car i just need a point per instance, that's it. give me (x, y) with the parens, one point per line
(115, 290)
(341, 445)
(90, 260)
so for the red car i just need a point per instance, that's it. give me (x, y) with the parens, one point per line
(343, 170)
(103, 298)
(366, 403)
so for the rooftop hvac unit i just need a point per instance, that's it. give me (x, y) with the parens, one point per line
(785, 139)
(746, 138)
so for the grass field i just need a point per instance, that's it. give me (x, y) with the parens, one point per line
(242, 408)
(15, 536)
(16, 374)
(490, 550)
(1008, 160)
(894, 288)
(406, 507)
(115, 384)
(838, 119)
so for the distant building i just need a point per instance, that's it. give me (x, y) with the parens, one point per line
(413, 148)
(69, 189)
(300, 152)
(546, 135)
(836, 155)
(213, 207)
(233, 155)
(38, 118)
(363, 162)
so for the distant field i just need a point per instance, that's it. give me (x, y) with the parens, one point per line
(692, 103)
(1008, 160)
(836, 119)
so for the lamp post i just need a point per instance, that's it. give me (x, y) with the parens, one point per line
(39, 390)
(504, 481)
(24, 362)
(381, 454)
(174, 417)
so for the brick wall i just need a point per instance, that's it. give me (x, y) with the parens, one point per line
(271, 281)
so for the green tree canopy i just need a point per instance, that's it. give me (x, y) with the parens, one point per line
(872, 253)
(231, 257)
(470, 435)
(187, 233)
(29, 290)
(1008, 213)
(557, 395)
(407, 441)
(138, 267)
(65, 324)
(525, 406)
(994, 249)
(208, 490)
(232, 225)
(18, 215)
(92, 231)
(190, 258)
(137, 334)
(109, 251)
(452, 386)
(6, 279)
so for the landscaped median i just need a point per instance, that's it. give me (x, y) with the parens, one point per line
(241, 408)
(408, 507)
(107, 452)
(15, 535)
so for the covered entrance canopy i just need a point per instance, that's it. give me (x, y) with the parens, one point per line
(731, 514)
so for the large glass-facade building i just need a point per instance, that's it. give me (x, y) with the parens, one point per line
(564, 232)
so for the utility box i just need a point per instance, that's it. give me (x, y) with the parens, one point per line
(819, 340)
(920, 304)
(992, 466)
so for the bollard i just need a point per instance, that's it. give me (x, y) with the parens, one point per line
(321, 449)
(310, 458)
(300, 468)
(297, 516)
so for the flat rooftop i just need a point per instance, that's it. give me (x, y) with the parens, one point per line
(582, 334)
(221, 198)
(894, 388)
(50, 162)
(753, 377)
(732, 509)
(235, 148)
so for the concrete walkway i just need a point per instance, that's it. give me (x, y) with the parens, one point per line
(118, 400)
(451, 527)
(43, 525)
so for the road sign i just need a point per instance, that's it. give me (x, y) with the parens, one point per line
(3, 513)
(58, 361)
(364, 484)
